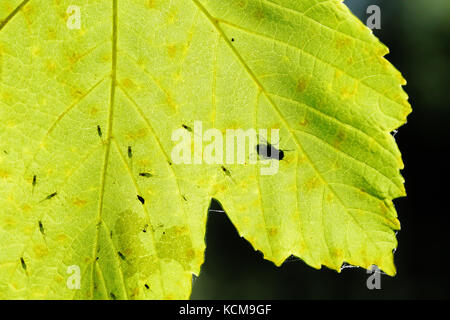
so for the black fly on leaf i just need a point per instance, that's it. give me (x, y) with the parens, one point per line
(228, 173)
(141, 199)
(121, 255)
(187, 128)
(268, 151)
(24, 265)
(51, 196)
(41, 227)
(145, 175)
(33, 183)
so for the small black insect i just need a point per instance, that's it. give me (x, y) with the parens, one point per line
(113, 296)
(24, 265)
(121, 255)
(145, 175)
(226, 171)
(142, 200)
(268, 151)
(41, 227)
(99, 131)
(187, 128)
(146, 286)
(34, 180)
(50, 196)
(130, 152)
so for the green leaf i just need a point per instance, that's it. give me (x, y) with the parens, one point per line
(87, 115)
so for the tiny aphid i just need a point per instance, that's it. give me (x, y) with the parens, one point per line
(50, 196)
(145, 175)
(130, 152)
(24, 265)
(41, 228)
(187, 128)
(121, 255)
(142, 200)
(226, 171)
(268, 151)
(34, 180)
(99, 131)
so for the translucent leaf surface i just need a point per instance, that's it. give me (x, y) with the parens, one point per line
(87, 116)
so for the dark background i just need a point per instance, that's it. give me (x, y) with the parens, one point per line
(418, 35)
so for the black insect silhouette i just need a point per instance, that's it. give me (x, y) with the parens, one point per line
(41, 227)
(187, 128)
(268, 151)
(24, 265)
(145, 175)
(141, 199)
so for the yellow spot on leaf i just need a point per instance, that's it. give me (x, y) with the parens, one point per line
(171, 50)
(61, 237)
(313, 183)
(79, 202)
(94, 111)
(4, 174)
(273, 231)
(151, 4)
(343, 42)
(129, 84)
(259, 14)
(40, 250)
(303, 122)
(340, 137)
(301, 85)
(137, 134)
(9, 223)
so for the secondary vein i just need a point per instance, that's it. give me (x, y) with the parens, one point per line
(13, 14)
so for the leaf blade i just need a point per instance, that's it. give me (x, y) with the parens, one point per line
(97, 103)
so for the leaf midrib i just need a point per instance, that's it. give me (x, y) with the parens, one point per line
(108, 139)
